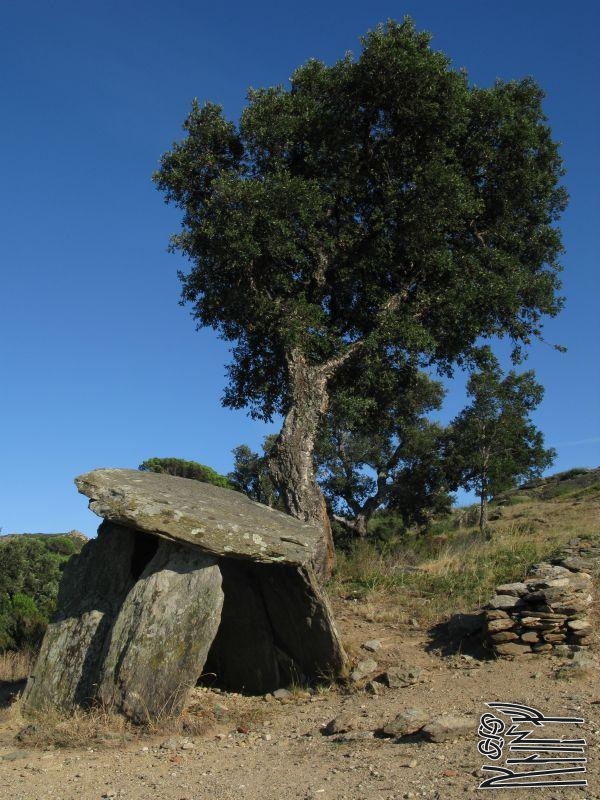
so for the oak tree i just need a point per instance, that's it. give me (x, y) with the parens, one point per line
(379, 204)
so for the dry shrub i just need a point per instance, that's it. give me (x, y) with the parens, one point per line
(82, 728)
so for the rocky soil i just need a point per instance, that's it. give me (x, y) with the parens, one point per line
(327, 743)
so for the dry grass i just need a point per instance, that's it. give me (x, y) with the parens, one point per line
(99, 727)
(16, 666)
(80, 729)
(431, 578)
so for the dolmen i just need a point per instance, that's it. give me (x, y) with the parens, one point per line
(184, 581)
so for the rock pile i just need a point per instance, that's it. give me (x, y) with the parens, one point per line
(549, 608)
(183, 579)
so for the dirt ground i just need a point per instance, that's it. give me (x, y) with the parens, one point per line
(276, 750)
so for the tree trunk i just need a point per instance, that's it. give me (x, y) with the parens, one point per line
(483, 511)
(360, 525)
(356, 525)
(483, 495)
(291, 462)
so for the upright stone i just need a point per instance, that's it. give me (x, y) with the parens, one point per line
(161, 637)
(94, 585)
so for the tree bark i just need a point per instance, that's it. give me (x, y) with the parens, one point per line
(356, 525)
(483, 511)
(291, 462)
(483, 496)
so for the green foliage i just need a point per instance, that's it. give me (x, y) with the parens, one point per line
(30, 571)
(387, 528)
(377, 450)
(493, 442)
(186, 469)
(382, 205)
(251, 474)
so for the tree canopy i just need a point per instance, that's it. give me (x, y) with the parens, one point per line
(493, 442)
(251, 473)
(378, 207)
(186, 469)
(378, 449)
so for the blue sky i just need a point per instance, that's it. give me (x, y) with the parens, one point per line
(100, 365)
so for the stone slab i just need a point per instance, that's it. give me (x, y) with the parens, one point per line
(219, 521)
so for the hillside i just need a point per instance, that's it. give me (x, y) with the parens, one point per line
(392, 607)
(574, 482)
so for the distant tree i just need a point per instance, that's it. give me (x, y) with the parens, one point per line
(30, 572)
(377, 449)
(382, 203)
(493, 442)
(186, 469)
(251, 473)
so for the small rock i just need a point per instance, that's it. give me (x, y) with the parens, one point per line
(414, 623)
(504, 636)
(505, 601)
(447, 727)
(401, 676)
(531, 622)
(169, 744)
(577, 625)
(409, 721)
(576, 564)
(497, 625)
(531, 637)
(364, 667)
(343, 723)
(187, 746)
(512, 648)
(372, 645)
(514, 589)
(496, 613)
(372, 688)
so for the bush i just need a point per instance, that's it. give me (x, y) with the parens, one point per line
(186, 469)
(30, 572)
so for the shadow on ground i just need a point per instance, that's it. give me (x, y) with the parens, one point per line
(460, 635)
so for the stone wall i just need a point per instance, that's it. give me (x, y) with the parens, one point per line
(549, 609)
